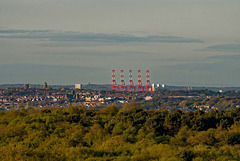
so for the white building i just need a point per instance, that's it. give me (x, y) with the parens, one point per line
(153, 87)
(147, 98)
(78, 86)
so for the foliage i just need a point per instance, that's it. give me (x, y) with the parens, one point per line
(131, 133)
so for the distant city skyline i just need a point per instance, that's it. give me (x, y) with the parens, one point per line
(194, 43)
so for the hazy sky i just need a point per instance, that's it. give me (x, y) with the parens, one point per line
(181, 42)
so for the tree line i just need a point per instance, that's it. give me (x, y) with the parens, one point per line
(130, 133)
(221, 103)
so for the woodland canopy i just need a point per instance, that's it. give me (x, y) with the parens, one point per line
(131, 133)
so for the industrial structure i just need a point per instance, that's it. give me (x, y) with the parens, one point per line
(114, 84)
(123, 87)
(140, 86)
(148, 85)
(131, 86)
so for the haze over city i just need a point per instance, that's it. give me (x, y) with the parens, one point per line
(66, 42)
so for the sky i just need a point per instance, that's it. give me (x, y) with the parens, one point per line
(181, 42)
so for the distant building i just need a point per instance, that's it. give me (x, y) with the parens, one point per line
(147, 98)
(26, 86)
(45, 86)
(78, 86)
(77, 96)
(153, 87)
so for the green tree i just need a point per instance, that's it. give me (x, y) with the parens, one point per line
(112, 110)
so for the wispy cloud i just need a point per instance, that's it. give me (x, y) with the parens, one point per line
(51, 35)
(225, 57)
(224, 48)
(219, 63)
(2, 31)
(99, 53)
(201, 66)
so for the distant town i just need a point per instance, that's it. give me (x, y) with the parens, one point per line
(17, 96)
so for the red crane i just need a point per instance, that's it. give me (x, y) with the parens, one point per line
(148, 85)
(114, 84)
(139, 86)
(131, 87)
(123, 87)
